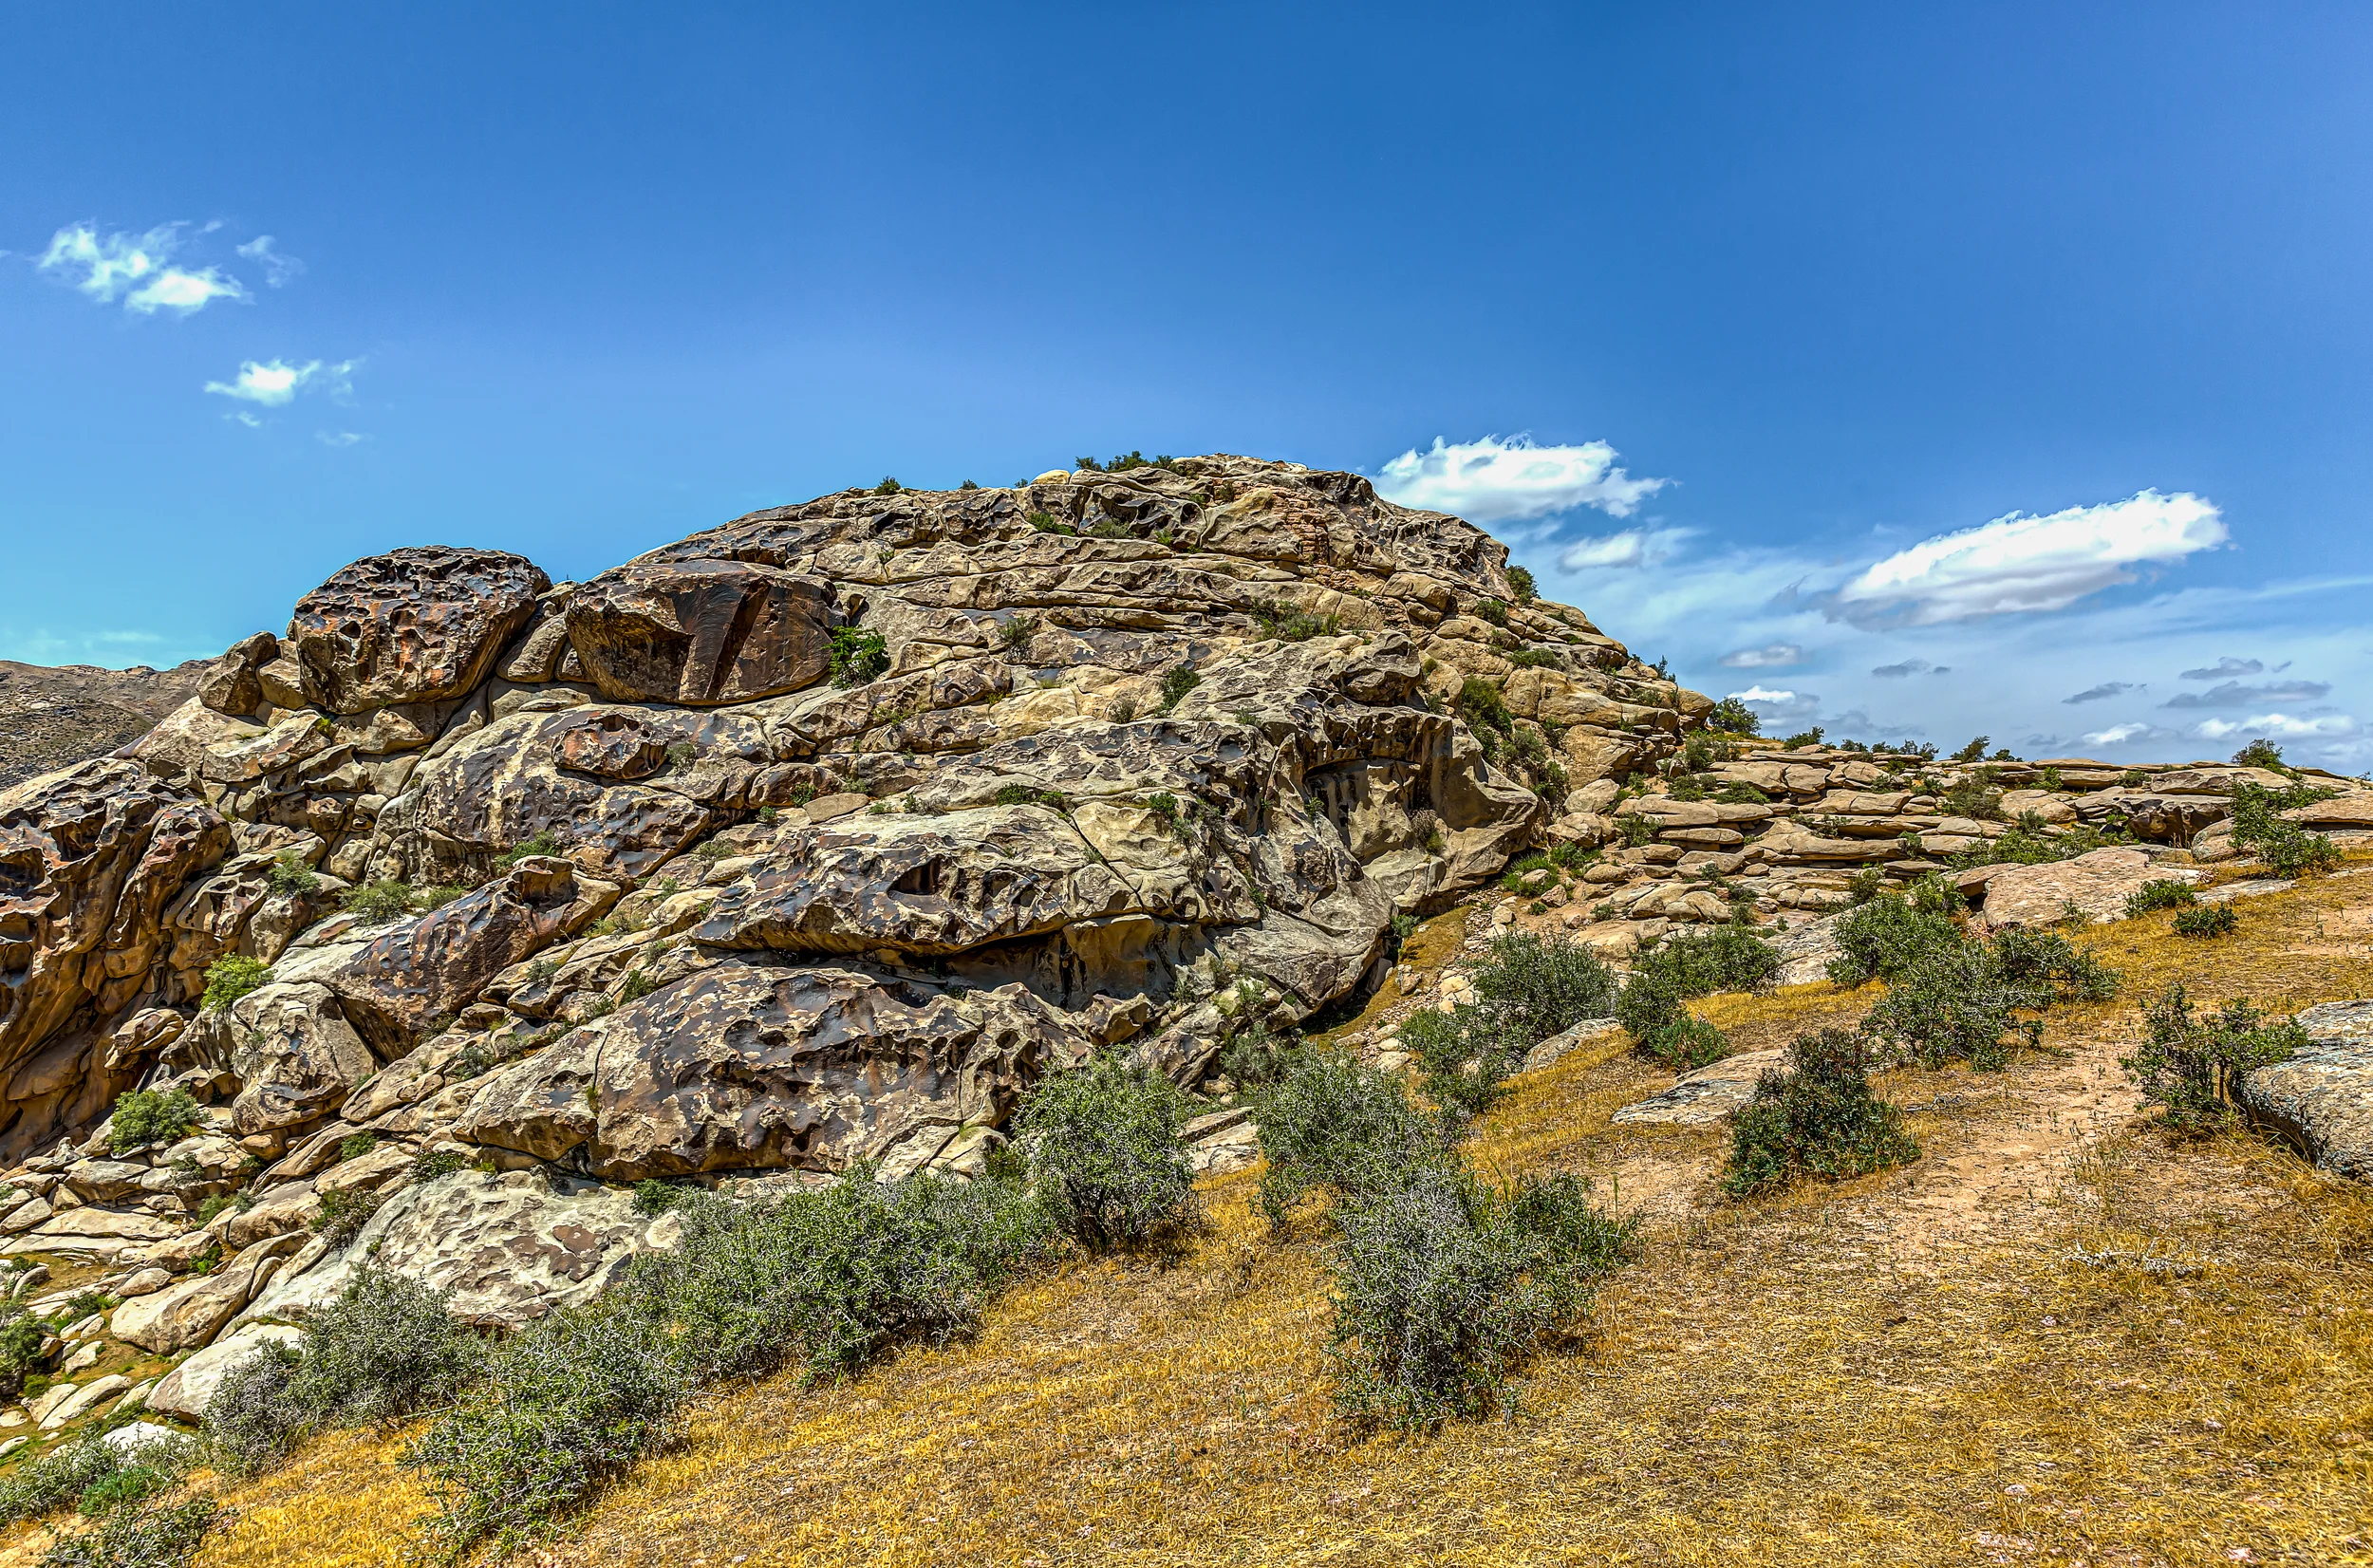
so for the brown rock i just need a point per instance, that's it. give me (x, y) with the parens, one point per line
(611, 743)
(411, 626)
(746, 1066)
(433, 966)
(700, 631)
(2097, 883)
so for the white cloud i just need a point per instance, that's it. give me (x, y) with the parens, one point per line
(279, 268)
(2118, 734)
(2020, 563)
(1494, 481)
(1780, 707)
(1776, 656)
(277, 382)
(1634, 547)
(2275, 724)
(338, 437)
(136, 269)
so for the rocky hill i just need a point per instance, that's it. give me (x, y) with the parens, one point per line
(53, 717)
(812, 841)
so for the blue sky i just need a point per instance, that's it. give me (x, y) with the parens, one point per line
(1781, 297)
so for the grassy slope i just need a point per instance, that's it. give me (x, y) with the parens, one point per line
(1907, 1369)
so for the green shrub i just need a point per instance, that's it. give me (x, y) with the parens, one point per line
(148, 1116)
(1802, 739)
(2207, 919)
(2166, 893)
(1520, 583)
(146, 1531)
(1444, 1286)
(2189, 1066)
(544, 843)
(1292, 623)
(2287, 848)
(1466, 1055)
(1732, 717)
(827, 1280)
(858, 656)
(1975, 797)
(355, 1145)
(1024, 794)
(376, 901)
(654, 1197)
(87, 1466)
(2258, 753)
(1686, 1041)
(1974, 751)
(1490, 610)
(289, 874)
(1255, 1057)
(436, 1163)
(1017, 631)
(1886, 935)
(1542, 987)
(1044, 522)
(231, 976)
(1102, 1151)
(1816, 1117)
(1331, 1123)
(1964, 1001)
(1480, 705)
(1175, 685)
(887, 487)
(1692, 964)
(344, 1214)
(573, 1401)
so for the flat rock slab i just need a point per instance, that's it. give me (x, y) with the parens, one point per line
(2322, 1099)
(1804, 953)
(2097, 883)
(1558, 1045)
(2255, 888)
(1707, 1095)
(186, 1389)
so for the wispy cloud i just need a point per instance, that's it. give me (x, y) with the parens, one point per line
(136, 269)
(1634, 547)
(275, 382)
(1772, 656)
(1910, 667)
(1492, 482)
(2106, 689)
(1780, 707)
(338, 437)
(278, 268)
(2226, 668)
(2234, 694)
(2276, 725)
(2020, 563)
(2126, 735)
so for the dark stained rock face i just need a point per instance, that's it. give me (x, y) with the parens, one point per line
(411, 626)
(433, 966)
(90, 859)
(700, 631)
(748, 1066)
(611, 743)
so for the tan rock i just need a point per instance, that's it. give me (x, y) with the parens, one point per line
(2097, 883)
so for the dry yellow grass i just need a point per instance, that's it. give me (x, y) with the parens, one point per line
(1914, 1368)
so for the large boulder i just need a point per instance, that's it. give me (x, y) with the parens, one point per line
(185, 1391)
(510, 1247)
(411, 626)
(90, 859)
(192, 1313)
(295, 1055)
(2097, 883)
(702, 632)
(747, 1065)
(2322, 1099)
(428, 969)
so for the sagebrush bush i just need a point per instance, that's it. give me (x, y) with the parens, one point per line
(1687, 1042)
(1444, 1285)
(144, 1531)
(828, 1279)
(1815, 1117)
(1689, 965)
(385, 1348)
(2164, 893)
(345, 1213)
(1466, 1055)
(2188, 1065)
(1542, 987)
(1256, 1056)
(148, 1116)
(231, 976)
(289, 874)
(1331, 1123)
(2287, 848)
(85, 1466)
(1963, 1000)
(1880, 939)
(572, 1402)
(2208, 919)
(1102, 1143)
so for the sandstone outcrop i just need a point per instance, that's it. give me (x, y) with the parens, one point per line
(413, 625)
(2322, 1099)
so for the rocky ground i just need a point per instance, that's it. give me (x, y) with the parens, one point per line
(814, 839)
(53, 717)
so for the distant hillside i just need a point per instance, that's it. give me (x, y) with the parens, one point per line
(52, 717)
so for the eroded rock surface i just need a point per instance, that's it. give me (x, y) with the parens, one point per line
(412, 625)
(2322, 1099)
